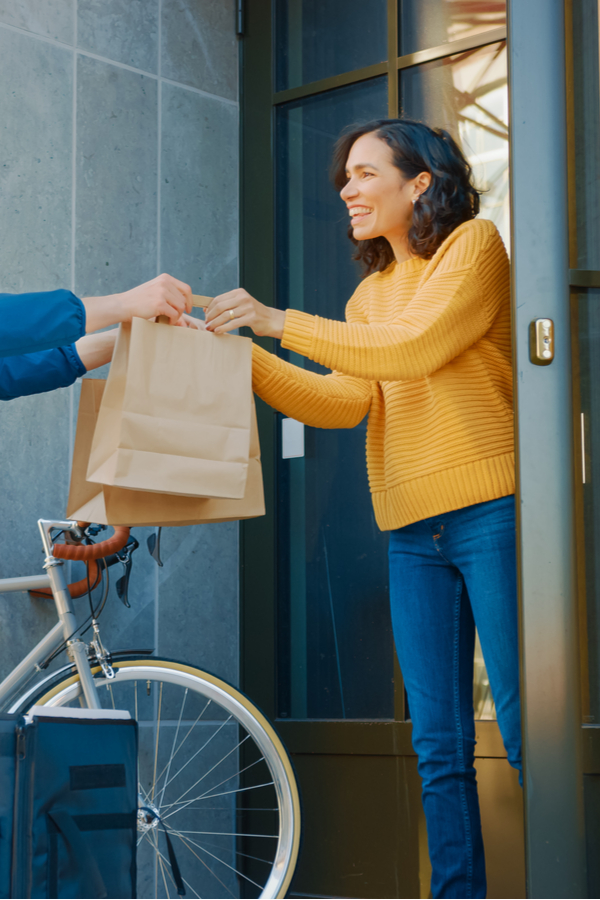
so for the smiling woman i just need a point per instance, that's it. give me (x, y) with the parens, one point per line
(426, 351)
(402, 202)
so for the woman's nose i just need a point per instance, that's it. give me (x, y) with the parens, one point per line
(347, 191)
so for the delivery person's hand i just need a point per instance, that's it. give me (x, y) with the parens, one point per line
(163, 296)
(236, 308)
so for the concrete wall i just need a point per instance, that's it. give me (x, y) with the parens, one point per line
(118, 160)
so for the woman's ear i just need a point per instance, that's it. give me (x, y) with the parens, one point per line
(422, 182)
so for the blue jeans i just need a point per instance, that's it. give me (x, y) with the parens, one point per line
(449, 574)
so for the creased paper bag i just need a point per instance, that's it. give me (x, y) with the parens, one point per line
(175, 416)
(89, 502)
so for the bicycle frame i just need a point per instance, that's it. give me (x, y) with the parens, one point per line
(64, 630)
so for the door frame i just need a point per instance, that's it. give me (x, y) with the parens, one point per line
(552, 734)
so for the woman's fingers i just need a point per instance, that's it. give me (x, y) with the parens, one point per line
(238, 308)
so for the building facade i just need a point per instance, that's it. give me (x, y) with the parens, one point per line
(122, 158)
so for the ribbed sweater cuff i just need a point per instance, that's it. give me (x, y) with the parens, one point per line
(298, 332)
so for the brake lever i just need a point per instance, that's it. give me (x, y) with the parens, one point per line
(153, 543)
(124, 556)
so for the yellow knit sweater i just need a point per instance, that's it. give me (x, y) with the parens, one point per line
(426, 351)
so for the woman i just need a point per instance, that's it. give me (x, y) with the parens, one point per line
(45, 340)
(425, 350)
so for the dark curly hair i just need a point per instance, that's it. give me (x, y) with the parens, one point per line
(450, 200)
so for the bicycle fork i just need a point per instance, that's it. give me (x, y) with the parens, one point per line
(76, 648)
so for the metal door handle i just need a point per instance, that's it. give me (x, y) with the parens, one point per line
(541, 342)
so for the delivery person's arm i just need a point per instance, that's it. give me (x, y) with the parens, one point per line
(41, 321)
(36, 373)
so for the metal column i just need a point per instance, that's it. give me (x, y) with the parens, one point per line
(550, 690)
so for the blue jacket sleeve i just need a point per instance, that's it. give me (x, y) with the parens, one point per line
(34, 373)
(32, 322)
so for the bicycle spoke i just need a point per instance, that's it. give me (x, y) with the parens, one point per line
(203, 747)
(218, 859)
(229, 833)
(206, 774)
(162, 794)
(208, 793)
(192, 726)
(267, 862)
(221, 794)
(187, 884)
(207, 867)
(112, 696)
(162, 869)
(155, 865)
(157, 739)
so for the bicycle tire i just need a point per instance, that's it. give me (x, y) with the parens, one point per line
(236, 719)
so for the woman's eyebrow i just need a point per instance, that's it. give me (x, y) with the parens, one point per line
(364, 166)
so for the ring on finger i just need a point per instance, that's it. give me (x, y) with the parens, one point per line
(231, 314)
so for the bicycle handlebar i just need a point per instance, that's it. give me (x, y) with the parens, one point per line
(87, 552)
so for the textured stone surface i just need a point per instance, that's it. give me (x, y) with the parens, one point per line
(188, 609)
(199, 190)
(199, 46)
(50, 18)
(33, 482)
(116, 178)
(123, 30)
(198, 597)
(36, 103)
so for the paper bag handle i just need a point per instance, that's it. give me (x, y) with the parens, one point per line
(197, 300)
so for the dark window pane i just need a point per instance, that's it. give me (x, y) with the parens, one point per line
(587, 308)
(587, 132)
(335, 652)
(467, 95)
(319, 38)
(430, 23)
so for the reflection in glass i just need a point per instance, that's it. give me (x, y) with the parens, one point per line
(586, 77)
(467, 95)
(587, 357)
(335, 650)
(430, 23)
(319, 38)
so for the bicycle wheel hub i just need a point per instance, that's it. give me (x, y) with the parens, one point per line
(148, 816)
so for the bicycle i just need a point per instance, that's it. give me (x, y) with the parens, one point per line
(214, 775)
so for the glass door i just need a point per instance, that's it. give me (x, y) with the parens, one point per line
(318, 652)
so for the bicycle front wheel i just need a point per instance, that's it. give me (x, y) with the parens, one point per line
(214, 777)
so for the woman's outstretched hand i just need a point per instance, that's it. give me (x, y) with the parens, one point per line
(236, 308)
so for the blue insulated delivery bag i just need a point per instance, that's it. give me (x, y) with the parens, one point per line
(75, 809)
(8, 725)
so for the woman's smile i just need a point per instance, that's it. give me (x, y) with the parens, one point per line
(358, 213)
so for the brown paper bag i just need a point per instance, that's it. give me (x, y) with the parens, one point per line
(89, 502)
(175, 416)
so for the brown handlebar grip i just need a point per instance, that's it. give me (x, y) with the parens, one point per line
(93, 551)
(78, 588)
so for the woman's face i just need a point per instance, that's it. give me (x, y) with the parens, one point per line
(378, 197)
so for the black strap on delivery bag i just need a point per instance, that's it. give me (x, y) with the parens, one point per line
(75, 804)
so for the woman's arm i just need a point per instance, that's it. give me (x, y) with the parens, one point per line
(453, 309)
(323, 401)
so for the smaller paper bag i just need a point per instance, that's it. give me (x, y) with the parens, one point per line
(90, 502)
(175, 416)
